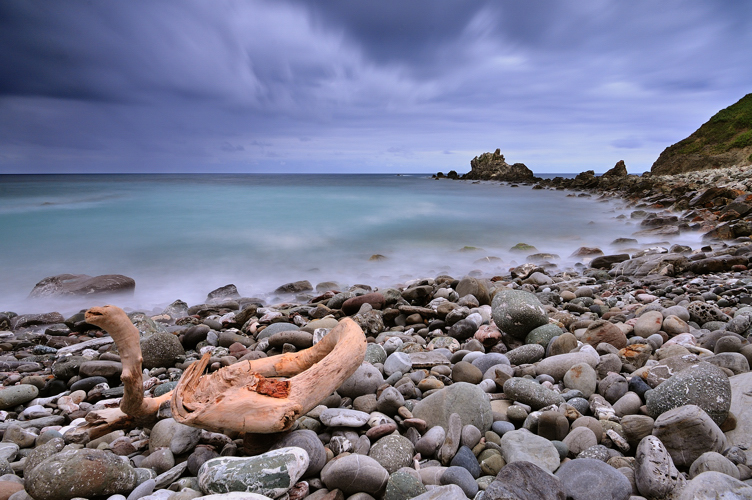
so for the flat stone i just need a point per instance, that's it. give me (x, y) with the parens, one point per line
(741, 407)
(558, 365)
(590, 479)
(522, 445)
(687, 432)
(467, 400)
(708, 486)
(354, 473)
(428, 359)
(179, 438)
(107, 369)
(531, 393)
(522, 481)
(15, 395)
(271, 474)
(342, 417)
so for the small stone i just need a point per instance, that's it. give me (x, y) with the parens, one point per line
(580, 439)
(523, 445)
(462, 478)
(355, 473)
(342, 417)
(12, 396)
(581, 377)
(712, 461)
(392, 452)
(366, 380)
(530, 393)
(179, 438)
(648, 324)
(430, 442)
(403, 486)
(466, 459)
(467, 400)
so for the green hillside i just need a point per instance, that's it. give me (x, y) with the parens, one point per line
(724, 140)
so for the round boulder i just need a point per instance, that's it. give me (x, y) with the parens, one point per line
(517, 312)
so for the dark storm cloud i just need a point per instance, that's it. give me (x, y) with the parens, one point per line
(360, 86)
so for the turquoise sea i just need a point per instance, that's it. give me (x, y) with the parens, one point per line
(181, 236)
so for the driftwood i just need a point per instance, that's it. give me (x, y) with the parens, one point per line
(246, 398)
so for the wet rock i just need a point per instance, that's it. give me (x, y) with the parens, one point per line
(13, 396)
(656, 475)
(708, 485)
(80, 473)
(179, 438)
(392, 452)
(687, 432)
(523, 445)
(355, 473)
(589, 479)
(271, 474)
(161, 350)
(468, 401)
(517, 312)
(703, 384)
(531, 393)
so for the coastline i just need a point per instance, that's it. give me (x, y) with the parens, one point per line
(623, 327)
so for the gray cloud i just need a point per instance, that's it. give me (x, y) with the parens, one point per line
(339, 85)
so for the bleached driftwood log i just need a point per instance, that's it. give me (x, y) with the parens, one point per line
(249, 397)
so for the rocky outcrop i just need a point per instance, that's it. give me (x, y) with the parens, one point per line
(67, 285)
(618, 171)
(723, 141)
(493, 167)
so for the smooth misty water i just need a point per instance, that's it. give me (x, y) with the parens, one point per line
(180, 236)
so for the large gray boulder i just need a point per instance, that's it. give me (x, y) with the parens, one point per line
(517, 312)
(702, 384)
(64, 285)
(466, 400)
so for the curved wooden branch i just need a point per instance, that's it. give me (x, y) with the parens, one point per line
(114, 321)
(248, 397)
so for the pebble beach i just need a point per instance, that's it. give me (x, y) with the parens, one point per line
(620, 376)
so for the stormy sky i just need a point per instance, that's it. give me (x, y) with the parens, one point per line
(361, 86)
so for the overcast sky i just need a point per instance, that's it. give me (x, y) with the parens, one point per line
(361, 86)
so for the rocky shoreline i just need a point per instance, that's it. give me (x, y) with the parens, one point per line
(624, 377)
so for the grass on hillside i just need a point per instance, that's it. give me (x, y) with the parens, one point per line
(730, 128)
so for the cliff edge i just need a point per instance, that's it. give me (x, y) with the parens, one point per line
(723, 141)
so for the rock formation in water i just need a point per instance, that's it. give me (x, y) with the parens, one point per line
(724, 141)
(493, 167)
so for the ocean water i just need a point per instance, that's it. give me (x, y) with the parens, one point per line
(181, 236)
